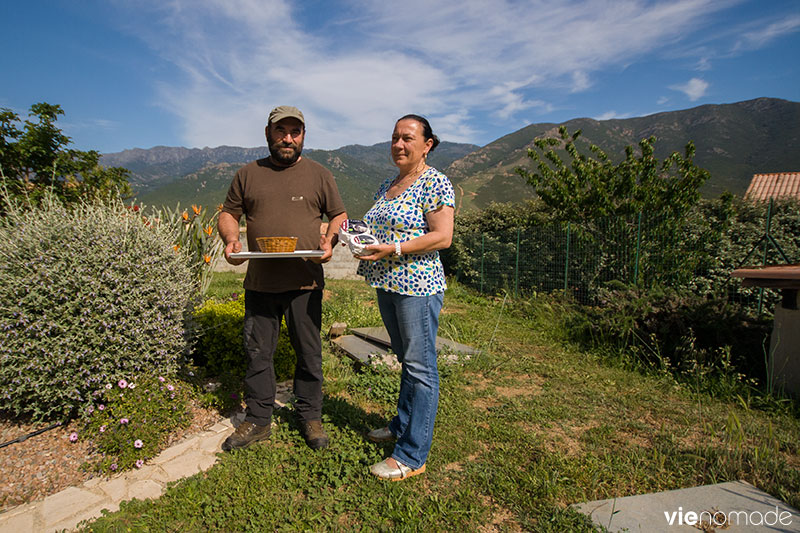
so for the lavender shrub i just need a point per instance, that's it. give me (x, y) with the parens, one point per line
(88, 295)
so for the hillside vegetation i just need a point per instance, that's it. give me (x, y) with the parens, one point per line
(733, 142)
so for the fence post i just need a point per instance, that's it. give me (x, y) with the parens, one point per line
(566, 261)
(483, 237)
(638, 247)
(516, 266)
(766, 247)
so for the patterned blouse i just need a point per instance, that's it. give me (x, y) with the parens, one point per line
(401, 219)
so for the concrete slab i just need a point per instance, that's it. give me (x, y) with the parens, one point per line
(212, 443)
(116, 489)
(185, 465)
(72, 522)
(733, 506)
(358, 348)
(175, 451)
(67, 503)
(24, 521)
(144, 490)
(381, 336)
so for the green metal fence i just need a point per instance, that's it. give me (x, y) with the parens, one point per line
(641, 250)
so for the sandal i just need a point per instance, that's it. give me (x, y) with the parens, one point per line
(384, 471)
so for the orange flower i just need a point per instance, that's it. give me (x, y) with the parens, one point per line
(207, 259)
(176, 247)
(219, 207)
(209, 230)
(197, 210)
(185, 215)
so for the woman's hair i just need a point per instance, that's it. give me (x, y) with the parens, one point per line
(427, 132)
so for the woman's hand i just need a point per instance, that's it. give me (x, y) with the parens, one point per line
(376, 252)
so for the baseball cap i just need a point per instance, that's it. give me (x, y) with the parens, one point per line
(285, 111)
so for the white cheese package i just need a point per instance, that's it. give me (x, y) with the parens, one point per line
(355, 234)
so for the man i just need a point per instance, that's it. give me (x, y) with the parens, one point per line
(282, 195)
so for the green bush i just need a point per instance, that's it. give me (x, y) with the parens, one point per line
(90, 294)
(670, 330)
(220, 347)
(131, 420)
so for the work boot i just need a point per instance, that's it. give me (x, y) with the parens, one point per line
(314, 435)
(246, 434)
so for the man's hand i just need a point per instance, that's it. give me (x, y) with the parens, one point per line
(233, 247)
(325, 246)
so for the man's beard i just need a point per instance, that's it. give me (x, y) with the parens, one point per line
(282, 158)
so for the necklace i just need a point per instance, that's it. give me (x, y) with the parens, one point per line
(399, 185)
(415, 174)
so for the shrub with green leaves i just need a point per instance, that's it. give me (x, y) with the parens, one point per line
(130, 421)
(220, 346)
(666, 329)
(90, 293)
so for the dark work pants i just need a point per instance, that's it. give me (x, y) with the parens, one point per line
(262, 322)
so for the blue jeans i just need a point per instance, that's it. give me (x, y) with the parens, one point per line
(412, 323)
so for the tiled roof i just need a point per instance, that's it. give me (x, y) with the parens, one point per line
(766, 186)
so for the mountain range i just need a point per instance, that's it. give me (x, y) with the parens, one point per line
(733, 142)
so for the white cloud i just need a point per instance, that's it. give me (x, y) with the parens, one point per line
(608, 115)
(703, 64)
(694, 89)
(760, 37)
(448, 60)
(580, 82)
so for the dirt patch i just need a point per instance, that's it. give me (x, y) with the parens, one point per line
(558, 439)
(486, 403)
(526, 385)
(502, 518)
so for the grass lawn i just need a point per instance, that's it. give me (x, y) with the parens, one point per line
(524, 429)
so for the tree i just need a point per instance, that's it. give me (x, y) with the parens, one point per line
(588, 187)
(35, 159)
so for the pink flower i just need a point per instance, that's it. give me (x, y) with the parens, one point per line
(73, 437)
(123, 420)
(161, 379)
(113, 466)
(170, 387)
(101, 407)
(108, 385)
(102, 428)
(139, 463)
(138, 443)
(122, 383)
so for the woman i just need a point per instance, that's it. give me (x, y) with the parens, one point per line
(413, 218)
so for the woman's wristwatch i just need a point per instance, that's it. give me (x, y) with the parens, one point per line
(397, 248)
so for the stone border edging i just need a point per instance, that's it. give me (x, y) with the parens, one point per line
(66, 509)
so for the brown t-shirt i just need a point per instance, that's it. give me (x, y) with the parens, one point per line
(283, 201)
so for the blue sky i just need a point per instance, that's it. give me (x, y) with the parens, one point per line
(201, 73)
